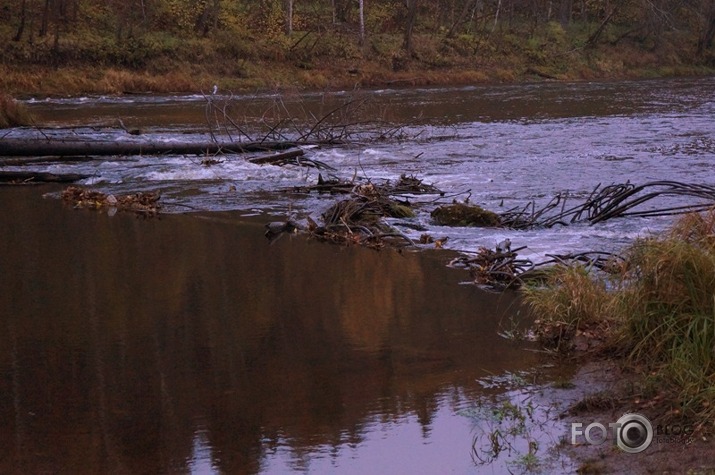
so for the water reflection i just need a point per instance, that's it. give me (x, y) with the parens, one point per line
(188, 344)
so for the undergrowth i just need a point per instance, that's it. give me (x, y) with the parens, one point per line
(658, 311)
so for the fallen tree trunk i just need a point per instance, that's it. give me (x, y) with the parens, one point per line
(39, 177)
(278, 158)
(15, 162)
(34, 147)
(291, 157)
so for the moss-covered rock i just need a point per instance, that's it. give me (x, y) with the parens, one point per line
(461, 214)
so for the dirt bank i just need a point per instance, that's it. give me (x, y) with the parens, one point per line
(603, 391)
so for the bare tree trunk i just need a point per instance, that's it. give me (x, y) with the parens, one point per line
(21, 27)
(410, 26)
(141, 3)
(362, 22)
(217, 12)
(461, 19)
(477, 6)
(706, 40)
(57, 19)
(33, 148)
(45, 18)
(289, 17)
(496, 16)
(565, 8)
(593, 39)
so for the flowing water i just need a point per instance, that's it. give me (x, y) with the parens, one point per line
(501, 146)
(188, 344)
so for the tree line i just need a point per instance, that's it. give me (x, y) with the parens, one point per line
(48, 21)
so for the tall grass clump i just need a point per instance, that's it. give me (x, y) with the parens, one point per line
(659, 310)
(571, 301)
(668, 310)
(12, 113)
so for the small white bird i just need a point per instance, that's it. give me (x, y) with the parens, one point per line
(215, 90)
(504, 246)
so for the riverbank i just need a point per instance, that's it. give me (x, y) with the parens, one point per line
(648, 316)
(603, 391)
(34, 81)
(436, 61)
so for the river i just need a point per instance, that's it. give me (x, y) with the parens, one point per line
(189, 344)
(499, 146)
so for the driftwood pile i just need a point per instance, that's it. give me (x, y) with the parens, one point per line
(502, 268)
(613, 201)
(145, 204)
(359, 219)
(405, 185)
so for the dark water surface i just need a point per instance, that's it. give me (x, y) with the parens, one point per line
(188, 344)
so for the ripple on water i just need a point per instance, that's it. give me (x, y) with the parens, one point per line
(501, 147)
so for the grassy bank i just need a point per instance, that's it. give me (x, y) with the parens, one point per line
(657, 311)
(175, 48)
(160, 74)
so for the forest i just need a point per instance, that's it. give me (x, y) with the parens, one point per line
(186, 44)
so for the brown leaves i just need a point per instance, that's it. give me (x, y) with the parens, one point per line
(141, 203)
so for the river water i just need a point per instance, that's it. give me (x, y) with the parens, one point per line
(500, 146)
(188, 344)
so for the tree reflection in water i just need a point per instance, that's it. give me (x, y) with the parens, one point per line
(187, 343)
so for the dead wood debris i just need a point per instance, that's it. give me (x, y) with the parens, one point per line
(31, 178)
(406, 185)
(146, 204)
(613, 201)
(291, 157)
(502, 268)
(358, 220)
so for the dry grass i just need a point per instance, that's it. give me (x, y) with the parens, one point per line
(12, 113)
(118, 81)
(659, 312)
(572, 302)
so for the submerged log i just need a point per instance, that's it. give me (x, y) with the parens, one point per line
(39, 177)
(32, 148)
